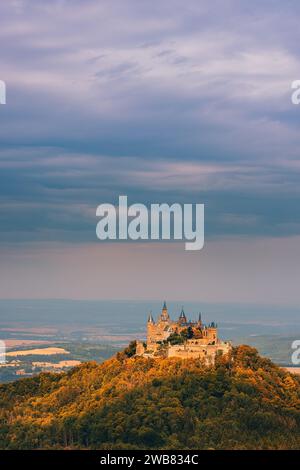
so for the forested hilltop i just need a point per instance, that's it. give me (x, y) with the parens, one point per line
(243, 402)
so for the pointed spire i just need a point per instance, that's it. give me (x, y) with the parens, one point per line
(182, 317)
(164, 314)
(150, 318)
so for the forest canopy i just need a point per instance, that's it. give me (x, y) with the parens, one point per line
(129, 402)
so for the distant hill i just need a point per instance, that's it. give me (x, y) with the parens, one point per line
(243, 402)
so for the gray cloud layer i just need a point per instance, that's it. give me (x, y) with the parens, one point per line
(170, 101)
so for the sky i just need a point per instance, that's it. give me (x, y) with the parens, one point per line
(165, 101)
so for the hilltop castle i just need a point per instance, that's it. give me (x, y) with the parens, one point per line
(182, 338)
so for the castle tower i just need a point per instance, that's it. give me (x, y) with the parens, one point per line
(212, 333)
(164, 313)
(182, 317)
(150, 318)
(151, 329)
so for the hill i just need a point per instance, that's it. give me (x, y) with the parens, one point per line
(243, 402)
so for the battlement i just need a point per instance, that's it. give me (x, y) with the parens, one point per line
(182, 338)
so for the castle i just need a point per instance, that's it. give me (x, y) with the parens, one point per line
(182, 338)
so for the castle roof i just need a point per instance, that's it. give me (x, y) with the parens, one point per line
(182, 314)
(182, 317)
(150, 318)
(164, 314)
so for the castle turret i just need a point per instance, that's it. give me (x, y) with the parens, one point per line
(164, 313)
(212, 332)
(151, 330)
(182, 317)
(150, 318)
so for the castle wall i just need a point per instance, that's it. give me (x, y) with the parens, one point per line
(193, 350)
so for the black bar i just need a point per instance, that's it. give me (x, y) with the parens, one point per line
(135, 459)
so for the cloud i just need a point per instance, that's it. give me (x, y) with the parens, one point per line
(49, 194)
(173, 101)
(164, 101)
